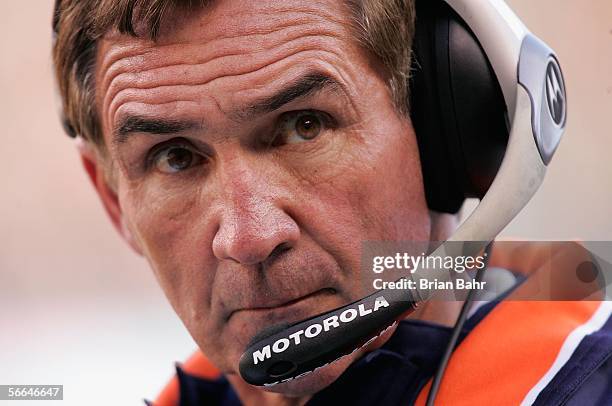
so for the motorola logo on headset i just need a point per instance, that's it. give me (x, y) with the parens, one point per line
(555, 93)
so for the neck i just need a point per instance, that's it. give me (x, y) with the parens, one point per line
(444, 312)
(252, 396)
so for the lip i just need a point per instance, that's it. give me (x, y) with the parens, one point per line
(285, 305)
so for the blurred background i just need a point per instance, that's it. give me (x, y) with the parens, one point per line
(78, 308)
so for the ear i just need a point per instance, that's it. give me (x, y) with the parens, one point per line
(95, 170)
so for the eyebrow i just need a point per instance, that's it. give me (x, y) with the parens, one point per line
(156, 126)
(304, 86)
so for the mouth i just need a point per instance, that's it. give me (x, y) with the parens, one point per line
(293, 307)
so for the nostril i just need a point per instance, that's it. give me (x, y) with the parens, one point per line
(279, 250)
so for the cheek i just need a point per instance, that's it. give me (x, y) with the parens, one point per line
(371, 191)
(170, 228)
(398, 196)
(377, 193)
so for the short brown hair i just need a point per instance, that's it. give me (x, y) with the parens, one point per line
(384, 28)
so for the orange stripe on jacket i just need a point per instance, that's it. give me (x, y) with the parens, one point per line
(196, 365)
(508, 352)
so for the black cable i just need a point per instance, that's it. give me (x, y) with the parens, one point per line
(467, 304)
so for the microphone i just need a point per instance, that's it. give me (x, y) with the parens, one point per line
(274, 357)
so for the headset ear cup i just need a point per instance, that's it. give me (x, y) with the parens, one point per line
(482, 128)
(457, 109)
(441, 187)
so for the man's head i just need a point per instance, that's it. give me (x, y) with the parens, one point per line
(247, 151)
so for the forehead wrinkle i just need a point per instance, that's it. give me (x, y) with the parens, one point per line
(201, 74)
(118, 58)
(156, 93)
(128, 69)
(113, 99)
(178, 107)
(132, 67)
(132, 100)
(175, 73)
(132, 52)
(287, 69)
(275, 23)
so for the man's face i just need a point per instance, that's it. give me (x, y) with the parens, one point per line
(254, 149)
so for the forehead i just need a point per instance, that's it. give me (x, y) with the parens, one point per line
(221, 55)
(236, 18)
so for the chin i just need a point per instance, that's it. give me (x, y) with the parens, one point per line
(315, 381)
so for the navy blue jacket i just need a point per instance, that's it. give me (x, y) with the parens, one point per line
(396, 373)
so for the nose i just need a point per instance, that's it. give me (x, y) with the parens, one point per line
(254, 224)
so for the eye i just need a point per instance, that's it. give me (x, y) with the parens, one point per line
(307, 126)
(175, 158)
(300, 126)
